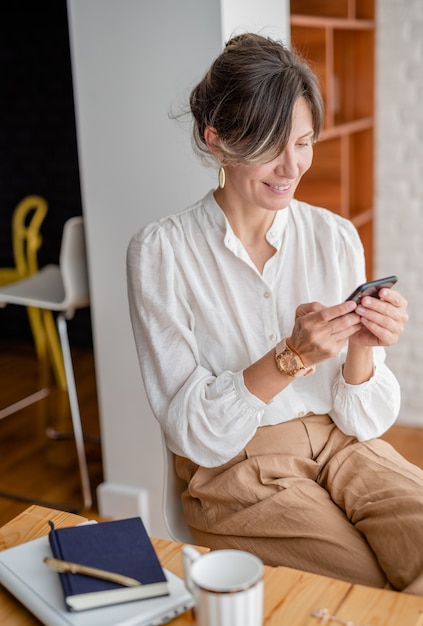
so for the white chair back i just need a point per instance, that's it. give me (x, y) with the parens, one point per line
(172, 499)
(73, 264)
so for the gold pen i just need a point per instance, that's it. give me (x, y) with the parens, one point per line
(76, 568)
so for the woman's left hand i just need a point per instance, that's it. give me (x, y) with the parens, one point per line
(382, 319)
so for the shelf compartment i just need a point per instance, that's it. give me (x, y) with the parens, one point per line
(339, 9)
(353, 75)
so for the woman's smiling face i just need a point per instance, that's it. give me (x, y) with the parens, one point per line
(272, 185)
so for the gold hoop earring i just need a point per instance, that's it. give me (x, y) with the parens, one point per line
(222, 177)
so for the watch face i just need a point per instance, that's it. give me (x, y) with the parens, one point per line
(289, 362)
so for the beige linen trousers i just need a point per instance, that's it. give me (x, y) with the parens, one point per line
(304, 495)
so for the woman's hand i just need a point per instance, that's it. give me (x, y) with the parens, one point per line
(382, 320)
(320, 332)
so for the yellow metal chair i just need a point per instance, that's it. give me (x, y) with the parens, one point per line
(26, 240)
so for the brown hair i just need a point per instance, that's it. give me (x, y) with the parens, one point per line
(248, 95)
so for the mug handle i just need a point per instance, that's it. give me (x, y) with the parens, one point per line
(189, 555)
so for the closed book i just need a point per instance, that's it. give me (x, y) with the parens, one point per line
(38, 587)
(119, 546)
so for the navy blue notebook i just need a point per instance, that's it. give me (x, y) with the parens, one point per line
(121, 546)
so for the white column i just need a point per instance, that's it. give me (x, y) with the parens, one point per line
(132, 61)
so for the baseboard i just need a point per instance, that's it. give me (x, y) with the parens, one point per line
(117, 501)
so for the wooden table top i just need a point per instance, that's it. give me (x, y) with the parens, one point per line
(290, 596)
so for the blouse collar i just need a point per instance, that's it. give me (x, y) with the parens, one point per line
(274, 234)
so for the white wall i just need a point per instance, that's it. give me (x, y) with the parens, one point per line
(132, 60)
(266, 16)
(399, 182)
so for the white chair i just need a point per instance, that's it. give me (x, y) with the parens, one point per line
(63, 289)
(173, 487)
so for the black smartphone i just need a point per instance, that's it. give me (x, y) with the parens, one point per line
(372, 288)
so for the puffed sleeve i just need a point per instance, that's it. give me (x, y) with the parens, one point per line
(369, 409)
(207, 418)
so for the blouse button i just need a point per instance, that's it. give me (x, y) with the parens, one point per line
(266, 294)
(272, 337)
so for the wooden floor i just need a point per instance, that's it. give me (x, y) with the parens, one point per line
(32, 465)
(38, 468)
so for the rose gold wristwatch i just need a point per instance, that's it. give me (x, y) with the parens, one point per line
(289, 362)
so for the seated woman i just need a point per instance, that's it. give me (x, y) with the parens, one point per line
(271, 388)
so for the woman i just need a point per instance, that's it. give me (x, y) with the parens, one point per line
(270, 387)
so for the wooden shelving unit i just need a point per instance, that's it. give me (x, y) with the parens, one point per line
(337, 38)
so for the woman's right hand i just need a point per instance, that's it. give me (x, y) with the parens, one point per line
(320, 332)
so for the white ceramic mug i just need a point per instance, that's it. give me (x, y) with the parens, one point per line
(227, 586)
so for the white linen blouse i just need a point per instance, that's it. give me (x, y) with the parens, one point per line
(201, 313)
